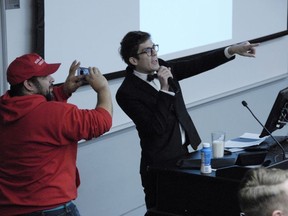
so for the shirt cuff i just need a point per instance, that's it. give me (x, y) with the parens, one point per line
(168, 92)
(227, 53)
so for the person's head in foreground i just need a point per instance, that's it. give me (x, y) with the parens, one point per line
(264, 192)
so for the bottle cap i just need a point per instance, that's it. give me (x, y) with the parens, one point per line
(206, 145)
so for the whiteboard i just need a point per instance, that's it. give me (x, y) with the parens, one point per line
(97, 42)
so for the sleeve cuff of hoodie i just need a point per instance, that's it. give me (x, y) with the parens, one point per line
(60, 94)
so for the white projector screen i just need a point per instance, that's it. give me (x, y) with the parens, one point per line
(91, 30)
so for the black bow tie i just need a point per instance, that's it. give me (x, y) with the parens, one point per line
(151, 77)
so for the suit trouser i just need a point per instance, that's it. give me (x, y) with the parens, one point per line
(149, 183)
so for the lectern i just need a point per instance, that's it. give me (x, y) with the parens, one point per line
(183, 192)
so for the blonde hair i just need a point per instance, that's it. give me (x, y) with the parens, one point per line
(262, 191)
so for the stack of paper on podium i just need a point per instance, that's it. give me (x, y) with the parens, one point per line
(244, 141)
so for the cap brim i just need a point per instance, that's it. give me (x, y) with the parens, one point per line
(49, 69)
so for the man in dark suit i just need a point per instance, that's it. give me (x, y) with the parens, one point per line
(156, 106)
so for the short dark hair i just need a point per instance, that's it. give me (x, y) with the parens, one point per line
(18, 89)
(130, 45)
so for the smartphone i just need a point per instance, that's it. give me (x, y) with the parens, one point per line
(82, 71)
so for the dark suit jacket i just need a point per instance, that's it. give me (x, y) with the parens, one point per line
(157, 114)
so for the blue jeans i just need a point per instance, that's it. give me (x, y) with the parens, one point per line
(65, 210)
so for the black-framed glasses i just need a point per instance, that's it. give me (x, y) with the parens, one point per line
(149, 50)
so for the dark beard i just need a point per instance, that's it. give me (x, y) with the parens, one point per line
(48, 95)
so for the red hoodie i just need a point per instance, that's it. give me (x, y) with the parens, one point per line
(38, 150)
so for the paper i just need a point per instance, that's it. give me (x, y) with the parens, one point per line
(232, 150)
(245, 140)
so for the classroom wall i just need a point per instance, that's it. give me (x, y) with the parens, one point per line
(109, 165)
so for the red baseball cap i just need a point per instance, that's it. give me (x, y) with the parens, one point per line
(27, 66)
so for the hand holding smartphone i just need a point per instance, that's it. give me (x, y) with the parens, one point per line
(82, 71)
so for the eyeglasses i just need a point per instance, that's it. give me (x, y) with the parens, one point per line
(149, 50)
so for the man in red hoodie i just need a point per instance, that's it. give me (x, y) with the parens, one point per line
(39, 132)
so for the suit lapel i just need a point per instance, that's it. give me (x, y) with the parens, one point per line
(141, 85)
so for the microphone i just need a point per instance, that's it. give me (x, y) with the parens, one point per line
(173, 85)
(244, 103)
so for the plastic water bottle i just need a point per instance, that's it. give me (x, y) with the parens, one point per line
(206, 155)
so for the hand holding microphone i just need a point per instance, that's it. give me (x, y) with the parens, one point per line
(166, 79)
